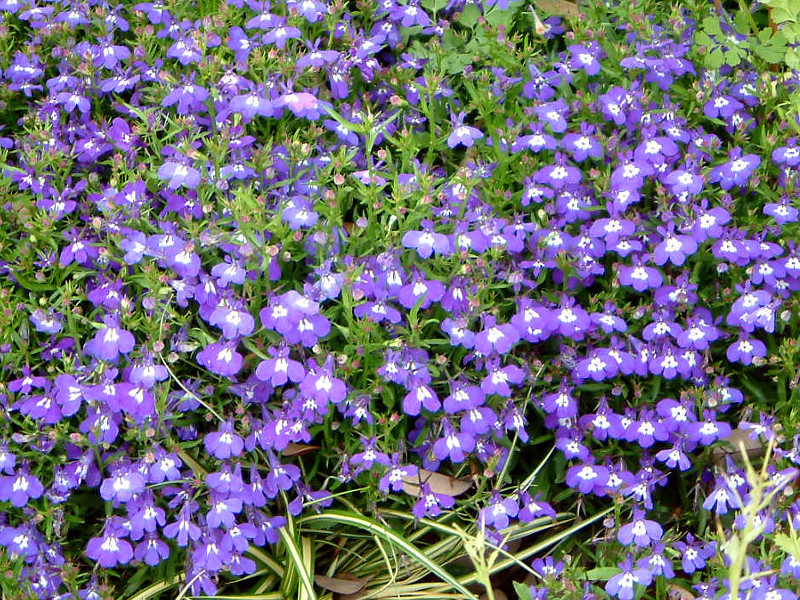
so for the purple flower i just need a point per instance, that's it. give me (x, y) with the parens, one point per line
(221, 358)
(46, 322)
(431, 503)
(559, 175)
(184, 529)
(694, 553)
(320, 385)
(499, 512)
(585, 58)
(745, 349)
(674, 248)
(20, 487)
(419, 396)
(587, 476)
(111, 549)
(639, 276)
(463, 135)
(737, 171)
(622, 584)
(110, 341)
(179, 174)
(641, 532)
(303, 104)
(224, 442)
(280, 369)
(495, 338)
(426, 242)
(123, 483)
(452, 444)
(783, 212)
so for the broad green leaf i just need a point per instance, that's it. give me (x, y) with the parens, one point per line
(714, 59)
(523, 591)
(469, 16)
(711, 26)
(701, 38)
(789, 544)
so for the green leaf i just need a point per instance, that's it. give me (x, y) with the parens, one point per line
(711, 26)
(733, 58)
(469, 16)
(433, 5)
(701, 38)
(781, 14)
(714, 59)
(523, 591)
(793, 59)
(788, 544)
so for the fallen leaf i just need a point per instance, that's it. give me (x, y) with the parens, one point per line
(339, 585)
(293, 449)
(676, 591)
(730, 446)
(559, 7)
(440, 484)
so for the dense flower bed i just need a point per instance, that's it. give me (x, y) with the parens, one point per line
(258, 256)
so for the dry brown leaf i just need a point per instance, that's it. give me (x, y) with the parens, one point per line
(558, 7)
(676, 591)
(339, 585)
(753, 448)
(440, 484)
(293, 449)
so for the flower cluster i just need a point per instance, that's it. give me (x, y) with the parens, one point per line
(232, 234)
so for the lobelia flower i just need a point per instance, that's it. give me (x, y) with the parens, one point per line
(224, 442)
(495, 339)
(622, 584)
(639, 276)
(453, 445)
(179, 175)
(303, 105)
(280, 369)
(110, 341)
(586, 58)
(559, 175)
(431, 503)
(746, 349)
(232, 319)
(587, 476)
(184, 528)
(20, 487)
(641, 532)
(420, 395)
(536, 141)
(463, 135)
(499, 377)
(320, 385)
(737, 171)
(123, 483)
(427, 241)
(499, 512)
(221, 358)
(694, 553)
(111, 549)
